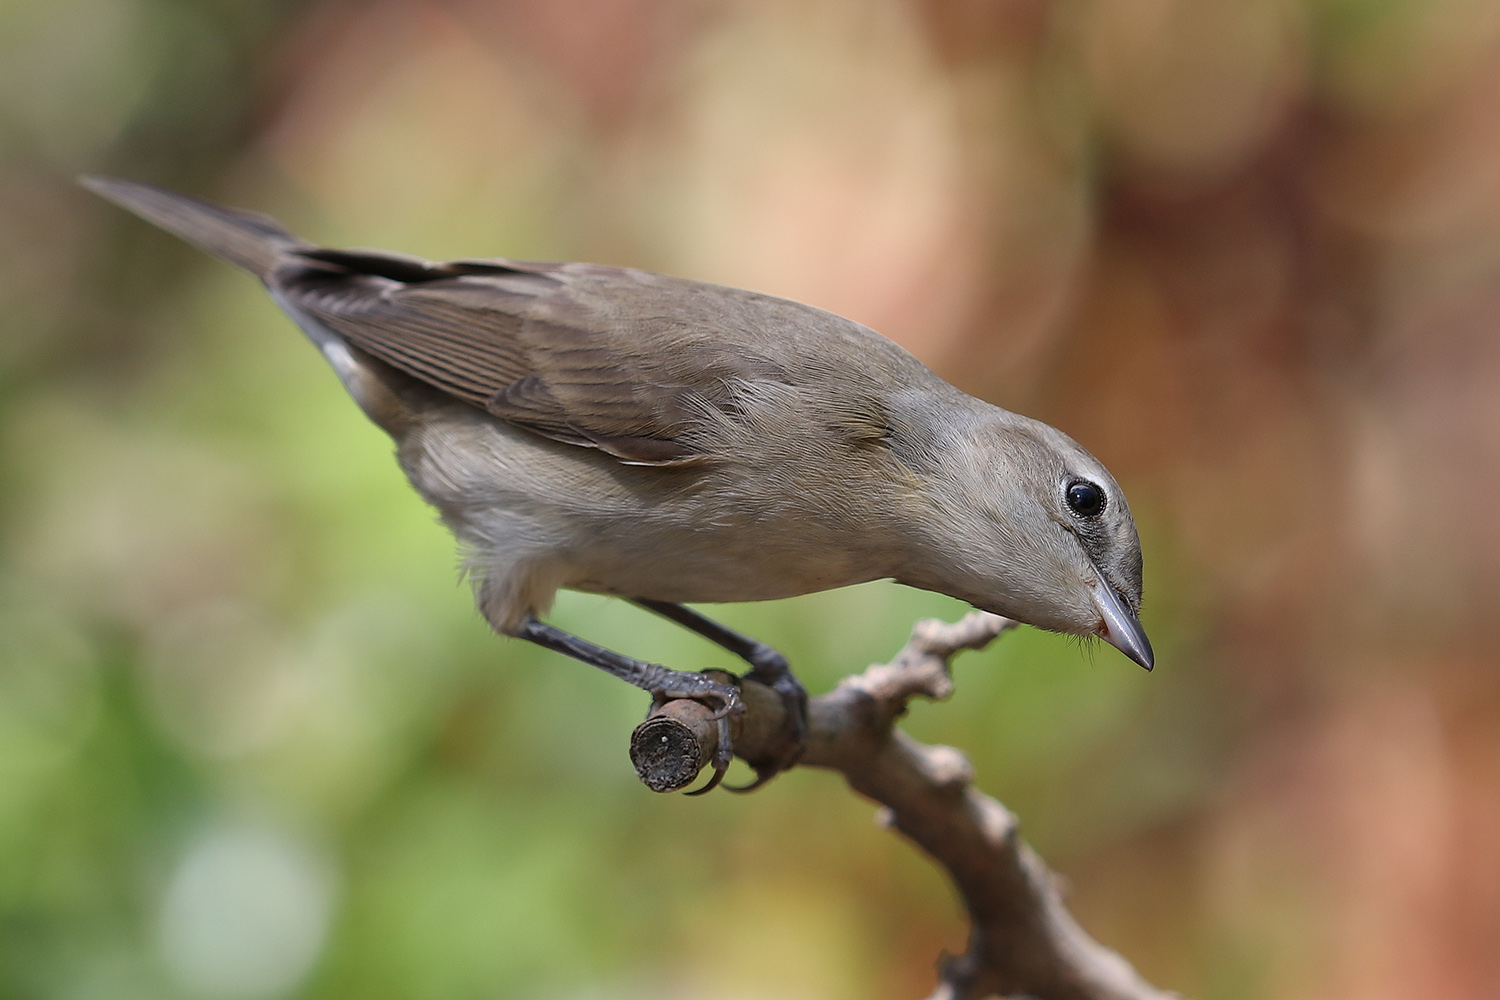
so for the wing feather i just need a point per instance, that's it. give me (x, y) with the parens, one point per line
(512, 340)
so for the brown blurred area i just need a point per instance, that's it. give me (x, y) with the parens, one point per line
(1245, 251)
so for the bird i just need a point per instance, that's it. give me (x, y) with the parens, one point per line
(668, 441)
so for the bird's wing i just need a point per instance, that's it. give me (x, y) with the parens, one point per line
(591, 356)
(644, 367)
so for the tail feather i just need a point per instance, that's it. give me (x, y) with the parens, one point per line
(252, 241)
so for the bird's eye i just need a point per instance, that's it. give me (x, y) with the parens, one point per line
(1085, 499)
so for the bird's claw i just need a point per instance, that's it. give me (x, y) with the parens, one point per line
(722, 757)
(725, 705)
(794, 700)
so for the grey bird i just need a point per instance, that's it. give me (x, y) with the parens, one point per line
(669, 441)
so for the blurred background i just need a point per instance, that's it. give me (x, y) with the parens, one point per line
(255, 743)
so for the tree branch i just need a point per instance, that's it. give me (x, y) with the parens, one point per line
(1023, 941)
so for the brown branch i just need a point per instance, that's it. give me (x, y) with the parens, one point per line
(1023, 941)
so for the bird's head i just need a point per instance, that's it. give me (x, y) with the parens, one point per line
(1027, 524)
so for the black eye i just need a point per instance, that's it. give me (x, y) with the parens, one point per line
(1085, 499)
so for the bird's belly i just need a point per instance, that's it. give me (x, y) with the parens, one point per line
(721, 570)
(535, 515)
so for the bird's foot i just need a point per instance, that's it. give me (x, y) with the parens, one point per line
(767, 667)
(723, 702)
(662, 683)
(776, 675)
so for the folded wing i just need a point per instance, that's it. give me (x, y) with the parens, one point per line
(529, 344)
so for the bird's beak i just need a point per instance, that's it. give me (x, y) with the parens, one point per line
(1121, 629)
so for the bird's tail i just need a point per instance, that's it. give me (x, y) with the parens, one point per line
(252, 241)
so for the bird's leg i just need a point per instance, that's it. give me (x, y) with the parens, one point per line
(662, 683)
(766, 666)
